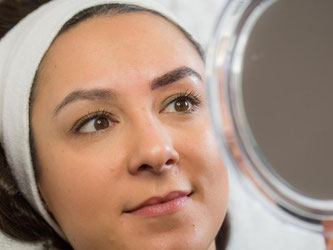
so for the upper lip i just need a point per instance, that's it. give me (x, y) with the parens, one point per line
(160, 199)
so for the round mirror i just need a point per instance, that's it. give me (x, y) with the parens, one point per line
(270, 85)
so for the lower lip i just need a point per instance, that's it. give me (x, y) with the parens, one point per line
(162, 208)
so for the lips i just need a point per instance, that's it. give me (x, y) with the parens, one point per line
(171, 201)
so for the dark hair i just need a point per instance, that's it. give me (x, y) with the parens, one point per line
(17, 218)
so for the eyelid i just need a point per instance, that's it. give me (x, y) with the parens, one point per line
(192, 95)
(87, 118)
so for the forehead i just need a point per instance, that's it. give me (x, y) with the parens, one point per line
(120, 48)
(131, 36)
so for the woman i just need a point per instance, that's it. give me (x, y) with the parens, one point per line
(105, 127)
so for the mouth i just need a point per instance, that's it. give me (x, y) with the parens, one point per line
(157, 205)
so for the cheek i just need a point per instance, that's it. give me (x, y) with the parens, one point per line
(198, 146)
(210, 170)
(204, 166)
(78, 187)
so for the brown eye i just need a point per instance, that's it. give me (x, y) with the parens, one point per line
(95, 124)
(182, 105)
(101, 123)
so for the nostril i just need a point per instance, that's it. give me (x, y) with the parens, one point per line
(170, 162)
(144, 167)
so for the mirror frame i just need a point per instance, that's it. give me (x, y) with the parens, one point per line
(237, 145)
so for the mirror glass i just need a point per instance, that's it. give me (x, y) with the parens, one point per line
(287, 91)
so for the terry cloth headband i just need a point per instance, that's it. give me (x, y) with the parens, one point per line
(21, 51)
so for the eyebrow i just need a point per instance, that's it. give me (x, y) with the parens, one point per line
(102, 94)
(174, 76)
(90, 94)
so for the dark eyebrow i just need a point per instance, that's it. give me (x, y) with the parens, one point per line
(90, 94)
(107, 94)
(173, 76)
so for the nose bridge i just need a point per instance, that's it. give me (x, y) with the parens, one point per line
(152, 144)
(151, 128)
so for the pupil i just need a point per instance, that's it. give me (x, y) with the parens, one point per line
(182, 105)
(101, 123)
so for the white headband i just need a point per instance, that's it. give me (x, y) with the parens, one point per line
(21, 51)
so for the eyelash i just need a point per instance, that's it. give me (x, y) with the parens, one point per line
(90, 116)
(193, 97)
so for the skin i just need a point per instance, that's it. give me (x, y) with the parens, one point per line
(328, 229)
(90, 177)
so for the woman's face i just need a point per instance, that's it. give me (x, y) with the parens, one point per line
(120, 117)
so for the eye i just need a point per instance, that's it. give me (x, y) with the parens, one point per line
(183, 103)
(180, 105)
(95, 124)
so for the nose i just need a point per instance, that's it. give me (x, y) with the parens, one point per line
(153, 149)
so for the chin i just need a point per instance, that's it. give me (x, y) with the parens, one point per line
(193, 240)
(180, 244)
